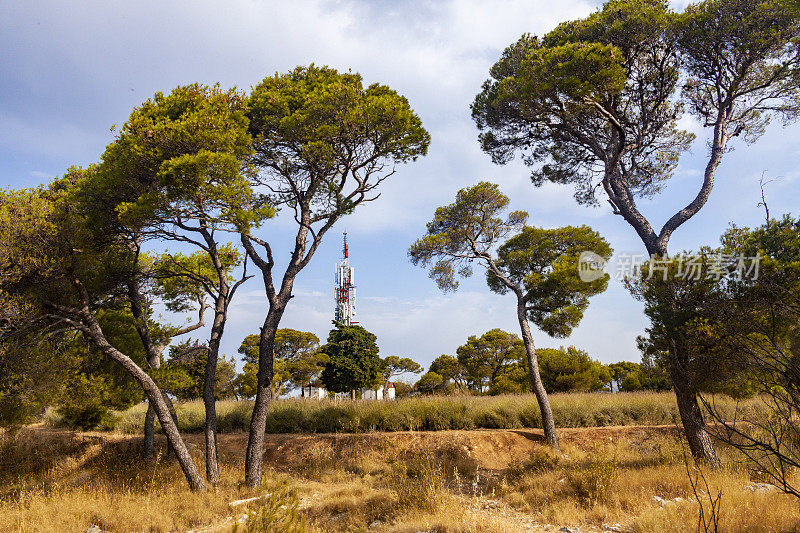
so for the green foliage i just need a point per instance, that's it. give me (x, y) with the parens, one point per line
(742, 54)
(631, 382)
(429, 382)
(486, 360)
(298, 361)
(353, 361)
(570, 369)
(182, 281)
(654, 370)
(182, 157)
(403, 389)
(545, 263)
(540, 265)
(46, 247)
(397, 366)
(313, 126)
(31, 378)
(620, 371)
(449, 368)
(567, 97)
(464, 231)
(674, 305)
(94, 386)
(185, 372)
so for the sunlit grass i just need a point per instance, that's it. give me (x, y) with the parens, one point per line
(433, 413)
(478, 481)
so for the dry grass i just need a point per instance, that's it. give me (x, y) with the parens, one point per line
(61, 482)
(619, 481)
(432, 413)
(450, 481)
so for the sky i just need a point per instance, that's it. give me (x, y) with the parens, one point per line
(71, 70)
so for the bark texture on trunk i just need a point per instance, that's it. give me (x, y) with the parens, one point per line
(548, 423)
(149, 432)
(254, 458)
(156, 399)
(210, 404)
(209, 397)
(149, 427)
(694, 425)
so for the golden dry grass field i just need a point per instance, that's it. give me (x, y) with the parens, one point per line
(631, 478)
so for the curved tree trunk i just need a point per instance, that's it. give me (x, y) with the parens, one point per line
(254, 459)
(694, 425)
(548, 423)
(156, 399)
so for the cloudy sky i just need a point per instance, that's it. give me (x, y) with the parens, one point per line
(70, 70)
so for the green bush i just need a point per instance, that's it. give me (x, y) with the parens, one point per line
(86, 417)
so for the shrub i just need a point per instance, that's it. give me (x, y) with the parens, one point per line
(277, 512)
(418, 482)
(591, 483)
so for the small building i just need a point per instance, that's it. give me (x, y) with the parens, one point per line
(379, 393)
(372, 394)
(314, 391)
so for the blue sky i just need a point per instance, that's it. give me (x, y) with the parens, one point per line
(69, 71)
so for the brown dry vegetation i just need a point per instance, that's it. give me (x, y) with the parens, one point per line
(446, 481)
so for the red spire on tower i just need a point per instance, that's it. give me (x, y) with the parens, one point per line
(346, 252)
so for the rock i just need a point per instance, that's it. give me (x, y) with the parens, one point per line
(93, 529)
(246, 501)
(662, 502)
(613, 527)
(566, 529)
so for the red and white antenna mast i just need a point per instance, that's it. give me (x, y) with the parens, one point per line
(344, 288)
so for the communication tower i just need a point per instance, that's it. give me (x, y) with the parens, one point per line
(345, 289)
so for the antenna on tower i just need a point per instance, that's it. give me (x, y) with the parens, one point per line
(344, 288)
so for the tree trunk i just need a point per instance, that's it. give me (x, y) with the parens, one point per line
(209, 398)
(694, 425)
(150, 430)
(156, 399)
(254, 458)
(548, 423)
